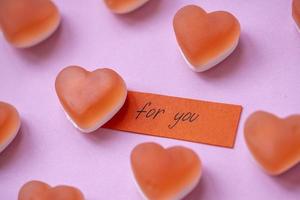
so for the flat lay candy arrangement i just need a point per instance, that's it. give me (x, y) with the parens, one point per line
(218, 99)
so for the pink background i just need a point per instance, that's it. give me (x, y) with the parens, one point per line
(263, 73)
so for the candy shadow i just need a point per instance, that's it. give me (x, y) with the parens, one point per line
(14, 148)
(201, 191)
(141, 14)
(101, 136)
(233, 63)
(290, 179)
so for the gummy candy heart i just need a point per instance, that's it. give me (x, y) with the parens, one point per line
(37, 190)
(165, 173)
(205, 39)
(274, 142)
(25, 23)
(9, 124)
(90, 99)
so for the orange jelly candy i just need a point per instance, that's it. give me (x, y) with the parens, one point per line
(37, 190)
(9, 124)
(274, 142)
(25, 23)
(90, 99)
(124, 6)
(296, 12)
(165, 173)
(205, 39)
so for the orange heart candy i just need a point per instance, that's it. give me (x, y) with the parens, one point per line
(9, 124)
(274, 142)
(205, 39)
(124, 6)
(296, 12)
(37, 190)
(165, 173)
(28, 22)
(90, 99)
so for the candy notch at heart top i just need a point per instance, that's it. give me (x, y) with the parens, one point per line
(9, 124)
(37, 190)
(274, 142)
(165, 173)
(26, 23)
(205, 39)
(90, 99)
(296, 12)
(124, 6)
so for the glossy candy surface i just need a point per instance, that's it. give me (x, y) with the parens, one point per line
(90, 99)
(25, 23)
(165, 173)
(274, 142)
(205, 39)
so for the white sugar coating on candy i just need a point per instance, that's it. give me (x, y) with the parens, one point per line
(213, 62)
(135, 6)
(185, 191)
(297, 27)
(129, 8)
(188, 189)
(101, 121)
(11, 138)
(139, 188)
(296, 13)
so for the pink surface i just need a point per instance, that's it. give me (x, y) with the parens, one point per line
(263, 73)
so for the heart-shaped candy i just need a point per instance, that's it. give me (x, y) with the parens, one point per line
(205, 39)
(124, 6)
(37, 190)
(90, 99)
(165, 173)
(296, 12)
(28, 22)
(274, 142)
(9, 124)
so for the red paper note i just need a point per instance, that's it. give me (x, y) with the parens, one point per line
(178, 118)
